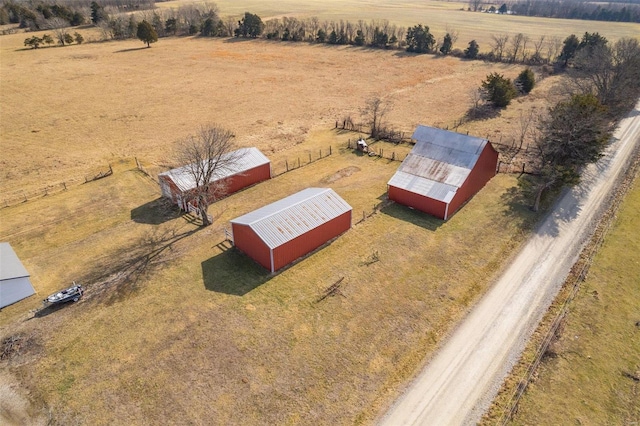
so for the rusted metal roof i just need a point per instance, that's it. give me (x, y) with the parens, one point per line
(247, 159)
(439, 163)
(294, 215)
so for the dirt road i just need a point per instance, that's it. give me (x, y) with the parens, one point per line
(457, 386)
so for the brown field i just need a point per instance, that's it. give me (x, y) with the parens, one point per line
(202, 332)
(438, 15)
(78, 107)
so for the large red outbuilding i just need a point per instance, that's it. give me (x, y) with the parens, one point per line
(279, 233)
(250, 167)
(443, 171)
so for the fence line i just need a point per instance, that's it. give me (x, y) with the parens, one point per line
(302, 161)
(380, 154)
(18, 197)
(583, 264)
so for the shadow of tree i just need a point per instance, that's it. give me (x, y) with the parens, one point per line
(482, 112)
(232, 272)
(119, 274)
(416, 217)
(155, 212)
(132, 49)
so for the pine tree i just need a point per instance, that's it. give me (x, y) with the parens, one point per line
(146, 33)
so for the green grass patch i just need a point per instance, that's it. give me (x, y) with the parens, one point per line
(588, 374)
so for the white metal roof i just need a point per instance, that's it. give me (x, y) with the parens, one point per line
(248, 158)
(423, 186)
(439, 163)
(10, 265)
(291, 217)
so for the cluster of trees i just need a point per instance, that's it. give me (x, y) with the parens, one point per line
(379, 34)
(63, 38)
(37, 15)
(603, 87)
(574, 9)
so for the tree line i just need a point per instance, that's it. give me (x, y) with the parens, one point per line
(565, 9)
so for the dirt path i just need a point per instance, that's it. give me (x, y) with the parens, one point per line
(458, 385)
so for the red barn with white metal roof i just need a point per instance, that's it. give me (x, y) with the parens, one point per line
(279, 233)
(251, 167)
(443, 171)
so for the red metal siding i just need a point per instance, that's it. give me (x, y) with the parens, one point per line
(425, 204)
(481, 173)
(235, 182)
(248, 242)
(250, 177)
(304, 244)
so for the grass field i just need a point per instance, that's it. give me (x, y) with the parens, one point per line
(206, 323)
(589, 377)
(83, 106)
(198, 331)
(438, 15)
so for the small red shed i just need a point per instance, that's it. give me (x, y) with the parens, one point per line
(251, 167)
(279, 233)
(443, 170)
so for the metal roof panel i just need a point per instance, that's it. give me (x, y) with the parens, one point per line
(248, 158)
(291, 217)
(10, 265)
(423, 186)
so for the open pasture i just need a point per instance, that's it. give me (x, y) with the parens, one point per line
(202, 332)
(438, 15)
(69, 109)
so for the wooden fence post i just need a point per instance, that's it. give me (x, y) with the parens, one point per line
(298, 161)
(329, 149)
(310, 158)
(286, 162)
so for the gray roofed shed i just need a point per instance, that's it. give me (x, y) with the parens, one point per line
(293, 216)
(14, 278)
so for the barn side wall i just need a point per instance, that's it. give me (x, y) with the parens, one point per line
(311, 240)
(173, 188)
(248, 178)
(249, 243)
(481, 173)
(427, 205)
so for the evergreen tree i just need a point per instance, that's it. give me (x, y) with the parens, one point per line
(471, 52)
(526, 80)
(146, 33)
(499, 90)
(569, 49)
(250, 26)
(447, 45)
(574, 135)
(419, 39)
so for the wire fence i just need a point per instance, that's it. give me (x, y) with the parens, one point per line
(300, 161)
(19, 197)
(578, 275)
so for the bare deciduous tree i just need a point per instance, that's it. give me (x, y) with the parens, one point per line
(526, 123)
(208, 157)
(554, 45)
(516, 46)
(475, 5)
(374, 112)
(498, 45)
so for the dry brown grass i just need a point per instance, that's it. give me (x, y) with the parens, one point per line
(81, 106)
(203, 332)
(440, 16)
